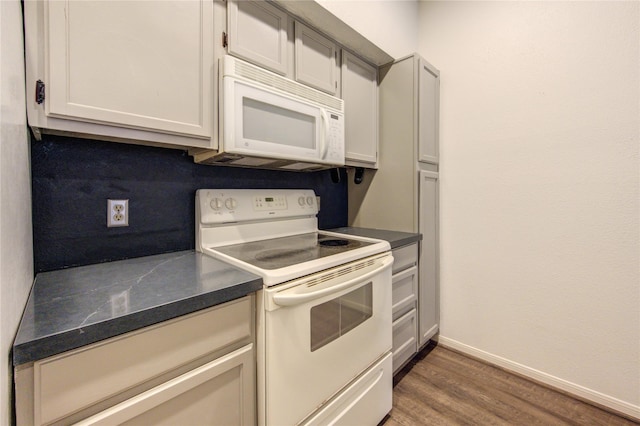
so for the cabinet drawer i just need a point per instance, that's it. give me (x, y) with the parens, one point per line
(405, 257)
(404, 291)
(218, 392)
(75, 380)
(405, 344)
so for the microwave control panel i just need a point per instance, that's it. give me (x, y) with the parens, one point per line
(335, 138)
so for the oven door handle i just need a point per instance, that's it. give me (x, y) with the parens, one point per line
(296, 299)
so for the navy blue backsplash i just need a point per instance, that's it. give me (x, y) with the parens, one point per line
(72, 178)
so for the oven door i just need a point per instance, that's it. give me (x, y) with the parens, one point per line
(321, 333)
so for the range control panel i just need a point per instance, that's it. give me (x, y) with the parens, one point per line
(270, 202)
(217, 206)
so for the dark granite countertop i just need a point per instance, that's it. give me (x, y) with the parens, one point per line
(395, 238)
(74, 307)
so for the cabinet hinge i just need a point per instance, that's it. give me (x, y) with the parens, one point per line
(39, 91)
(224, 39)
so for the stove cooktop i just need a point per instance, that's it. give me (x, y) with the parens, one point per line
(279, 253)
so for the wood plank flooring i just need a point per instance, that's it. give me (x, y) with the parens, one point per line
(443, 387)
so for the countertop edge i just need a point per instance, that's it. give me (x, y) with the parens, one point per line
(46, 346)
(396, 239)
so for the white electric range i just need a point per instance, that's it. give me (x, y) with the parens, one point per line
(324, 315)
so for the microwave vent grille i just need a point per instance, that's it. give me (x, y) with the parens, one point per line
(213, 158)
(256, 74)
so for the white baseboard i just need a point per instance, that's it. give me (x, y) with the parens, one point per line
(572, 388)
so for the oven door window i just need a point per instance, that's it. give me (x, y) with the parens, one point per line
(338, 316)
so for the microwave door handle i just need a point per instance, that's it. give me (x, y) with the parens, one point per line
(323, 134)
(296, 299)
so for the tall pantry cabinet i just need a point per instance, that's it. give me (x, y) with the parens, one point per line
(402, 194)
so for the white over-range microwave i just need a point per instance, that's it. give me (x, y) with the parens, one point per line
(269, 121)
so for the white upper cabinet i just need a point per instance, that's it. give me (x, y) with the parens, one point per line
(259, 33)
(138, 65)
(428, 110)
(315, 59)
(360, 93)
(147, 72)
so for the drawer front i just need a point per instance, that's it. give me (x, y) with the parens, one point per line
(405, 257)
(405, 342)
(74, 380)
(218, 392)
(404, 291)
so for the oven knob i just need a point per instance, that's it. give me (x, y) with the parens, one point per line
(301, 201)
(216, 204)
(230, 203)
(310, 200)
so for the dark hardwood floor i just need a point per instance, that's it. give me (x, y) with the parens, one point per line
(443, 387)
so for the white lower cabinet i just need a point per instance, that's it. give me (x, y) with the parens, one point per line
(215, 393)
(196, 369)
(404, 297)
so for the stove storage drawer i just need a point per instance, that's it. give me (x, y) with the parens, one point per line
(72, 386)
(372, 399)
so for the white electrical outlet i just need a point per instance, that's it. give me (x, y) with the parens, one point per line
(117, 213)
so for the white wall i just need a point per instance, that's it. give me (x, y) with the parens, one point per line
(540, 178)
(375, 20)
(16, 258)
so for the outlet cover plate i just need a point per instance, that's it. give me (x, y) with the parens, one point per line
(117, 213)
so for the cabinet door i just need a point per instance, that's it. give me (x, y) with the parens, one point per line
(258, 32)
(428, 292)
(428, 112)
(219, 392)
(132, 64)
(360, 94)
(315, 59)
